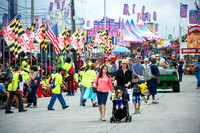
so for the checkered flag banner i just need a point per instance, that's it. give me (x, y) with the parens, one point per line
(32, 26)
(12, 34)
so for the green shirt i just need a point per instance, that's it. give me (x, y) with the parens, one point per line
(67, 67)
(61, 64)
(15, 79)
(76, 77)
(89, 77)
(109, 67)
(87, 64)
(58, 83)
(25, 75)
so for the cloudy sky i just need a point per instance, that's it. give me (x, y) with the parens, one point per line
(168, 11)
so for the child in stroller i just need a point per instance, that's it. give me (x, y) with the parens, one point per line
(119, 113)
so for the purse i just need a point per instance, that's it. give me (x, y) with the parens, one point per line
(95, 88)
(35, 82)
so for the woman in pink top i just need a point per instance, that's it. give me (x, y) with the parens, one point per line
(103, 84)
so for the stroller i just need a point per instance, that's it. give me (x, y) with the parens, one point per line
(118, 115)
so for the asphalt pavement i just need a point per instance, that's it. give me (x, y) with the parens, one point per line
(175, 113)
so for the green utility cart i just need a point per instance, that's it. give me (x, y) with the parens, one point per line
(169, 80)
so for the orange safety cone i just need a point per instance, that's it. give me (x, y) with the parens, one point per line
(39, 90)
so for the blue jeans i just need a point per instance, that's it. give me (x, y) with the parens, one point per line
(33, 96)
(198, 78)
(180, 77)
(53, 100)
(83, 88)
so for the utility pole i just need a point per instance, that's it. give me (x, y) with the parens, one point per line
(104, 15)
(72, 16)
(73, 26)
(32, 11)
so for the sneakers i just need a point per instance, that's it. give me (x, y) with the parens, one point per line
(154, 102)
(197, 87)
(83, 101)
(66, 107)
(138, 110)
(8, 112)
(135, 112)
(24, 110)
(51, 109)
(94, 105)
(70, 94)
(73, 94)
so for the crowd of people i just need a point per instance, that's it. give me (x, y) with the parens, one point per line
(20, 84)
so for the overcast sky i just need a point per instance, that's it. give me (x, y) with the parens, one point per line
(168, 11)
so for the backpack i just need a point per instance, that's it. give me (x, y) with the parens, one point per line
(147, 73)
(53, 83)
(196, 68)
(71, 70)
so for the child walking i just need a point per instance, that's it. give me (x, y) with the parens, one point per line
(56, 92)
(136, 94)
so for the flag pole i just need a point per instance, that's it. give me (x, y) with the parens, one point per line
(3, 54)
(9, 57)
(31, 59)
(15, 62)
(57, 61)
(41, 61)
(49, 59)
(46, 63)
(37, 59)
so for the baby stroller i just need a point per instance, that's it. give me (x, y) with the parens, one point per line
(118, 115)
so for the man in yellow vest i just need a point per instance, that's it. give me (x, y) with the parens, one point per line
(14, 90)
(56, 92)
(25, 65)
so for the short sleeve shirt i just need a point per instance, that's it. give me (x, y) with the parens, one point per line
(2, 87)
(138, 69)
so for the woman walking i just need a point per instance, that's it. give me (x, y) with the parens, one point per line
(33, 75)
(90, 75)
(103, 84)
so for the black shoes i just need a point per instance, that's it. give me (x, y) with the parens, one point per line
(51, 109)
(24, 110)
(8, 112)
(66, 107)
(94, 105)
(83, 101)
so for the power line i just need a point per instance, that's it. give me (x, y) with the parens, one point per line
(19, 5)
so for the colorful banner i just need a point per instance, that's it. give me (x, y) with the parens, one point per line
(149, 17)
(194, 37)
(47, 25)
(58, 3)
(51, 7)
(138, 17)
(143, 15)
(43, 20)
(156, 27)
(183, 10)
(66, 13)
(5, 19)
(126, 10)
(133, 9)
(63, 4)
(154, 16)
(198, 15)
(37, 24)
(192, 17)
(88, 23)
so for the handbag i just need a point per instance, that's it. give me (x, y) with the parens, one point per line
(95, 88)
(35, 82)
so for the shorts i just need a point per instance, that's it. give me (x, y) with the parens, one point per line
(102, 97)
(153, 90)
(119, 103)
(136, 98)
(29, 100)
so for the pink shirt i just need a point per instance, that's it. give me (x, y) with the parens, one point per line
(104, 83)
